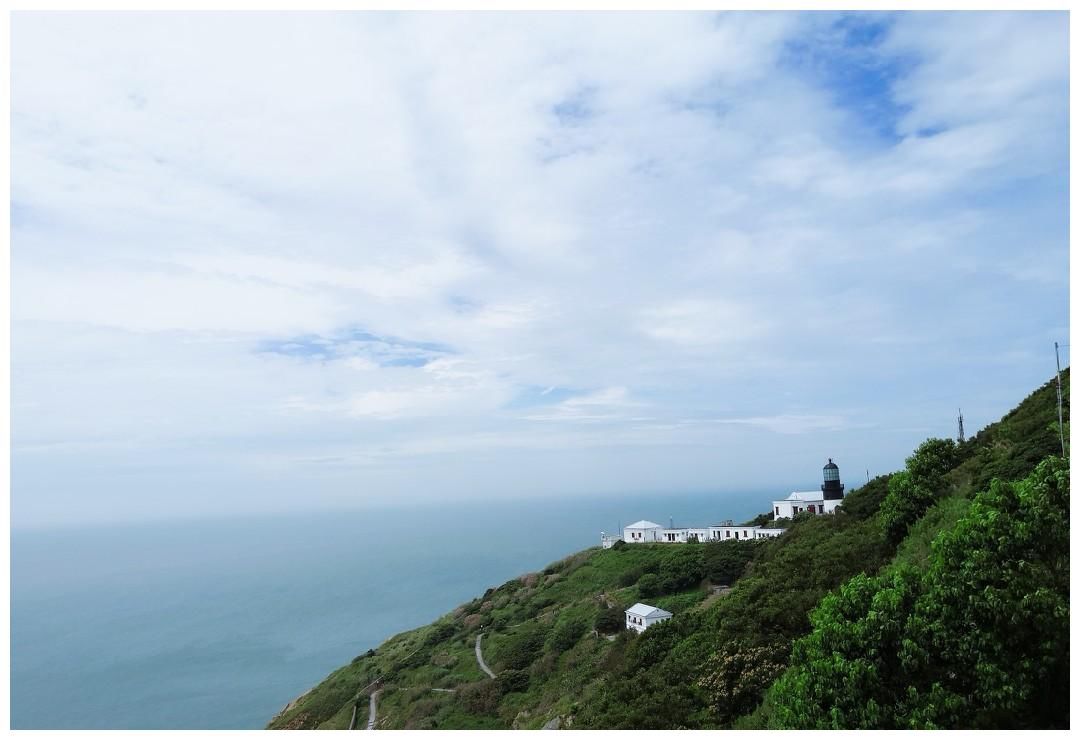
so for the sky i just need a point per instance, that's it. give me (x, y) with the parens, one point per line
(268, 262)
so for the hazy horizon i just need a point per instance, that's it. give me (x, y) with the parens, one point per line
(268, 262)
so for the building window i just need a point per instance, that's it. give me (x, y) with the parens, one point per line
(777, 508)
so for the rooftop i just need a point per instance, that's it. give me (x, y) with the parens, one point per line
(644, 611)
(805, 496)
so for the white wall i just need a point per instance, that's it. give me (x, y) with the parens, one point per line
(673, 535)
(649, 622)
(728, 533)
(641, 535)
(789, 508)
(646, 622)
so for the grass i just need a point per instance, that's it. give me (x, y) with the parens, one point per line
(562, 599)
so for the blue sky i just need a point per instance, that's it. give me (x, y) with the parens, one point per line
(269, 262)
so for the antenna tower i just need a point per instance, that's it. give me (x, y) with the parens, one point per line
(960, 427)
(1061, 424)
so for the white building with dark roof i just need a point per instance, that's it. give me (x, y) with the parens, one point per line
(640, 616)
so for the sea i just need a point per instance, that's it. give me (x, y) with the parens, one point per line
(218, 623)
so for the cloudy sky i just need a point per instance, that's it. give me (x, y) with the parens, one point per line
(278, 261)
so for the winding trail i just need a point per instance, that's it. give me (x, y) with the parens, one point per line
(372, 705)
(480, 657)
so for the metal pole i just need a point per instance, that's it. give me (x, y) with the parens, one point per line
(1061, 422)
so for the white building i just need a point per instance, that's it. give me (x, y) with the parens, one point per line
(800, 501)
(683, 534)
(640, 617)
(643, 531)
(732, 532)
(824, 501)
(607, 541)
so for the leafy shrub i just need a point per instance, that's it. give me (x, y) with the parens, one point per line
(566, 633)
(609, 620)
(974, 642)
(681, 568)
(650, 585)
(513, 680)
(760, 520)
(865, 501)
(524, 647)
(724, 562)
(480, 698)
(914, 490)
(737, 674)
(440, 633)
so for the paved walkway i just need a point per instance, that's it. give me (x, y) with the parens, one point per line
(480, 658)
(372, 705)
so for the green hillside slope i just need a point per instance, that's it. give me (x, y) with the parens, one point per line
(936, 596)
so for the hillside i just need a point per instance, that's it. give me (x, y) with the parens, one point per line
(859, 619)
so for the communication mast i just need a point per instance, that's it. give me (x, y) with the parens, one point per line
(960, 427)
(1061, 424)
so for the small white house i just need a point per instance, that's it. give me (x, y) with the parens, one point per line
(643, 531)
(640, 617)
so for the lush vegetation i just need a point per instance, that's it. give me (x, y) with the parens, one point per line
(977, 640)
(936, 596)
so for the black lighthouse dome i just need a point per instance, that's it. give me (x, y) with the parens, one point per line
(832, 488)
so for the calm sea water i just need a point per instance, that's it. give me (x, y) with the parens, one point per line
(218, 624)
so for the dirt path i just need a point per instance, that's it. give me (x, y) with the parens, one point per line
(372, 705)
(480, 658)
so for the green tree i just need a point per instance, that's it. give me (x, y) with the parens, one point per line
(844, 674)
(681, 568)
(865, 501)
(566, 633)
(726, 561)
(980, 640)
(991, 631)
(524, 647)
(513, 680)
(650, 584)
(914, 490)
(737, 674)
(609, 620)
(480, 698)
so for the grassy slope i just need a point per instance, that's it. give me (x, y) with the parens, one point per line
(441, 655)
(653, 680)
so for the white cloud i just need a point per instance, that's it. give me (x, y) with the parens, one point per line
(703, 322)
(653, 215)
(607, 404)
